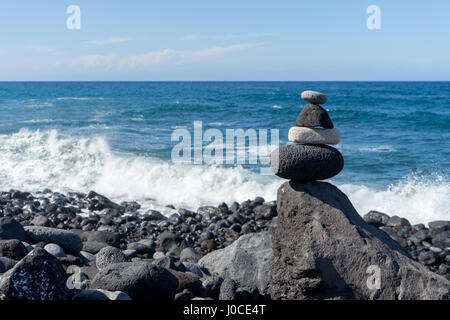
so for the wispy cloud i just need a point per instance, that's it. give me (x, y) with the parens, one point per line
(187, 56)
(190, 37)
(2, 52)
(155, 58)
(41, 48)
(110, 40)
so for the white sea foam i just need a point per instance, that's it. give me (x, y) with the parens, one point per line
(416, 198)
(382, 148)
(33, 160)
(80, 98)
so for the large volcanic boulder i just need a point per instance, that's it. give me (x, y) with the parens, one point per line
(323, 249)
(38, 276)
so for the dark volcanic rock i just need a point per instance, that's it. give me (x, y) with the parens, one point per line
(170, 242)
(314, 116)
(306, 162)
(69, 241)
(265, 211)
(324, 249)
(140, 280)
(99, 202)
(11, 229)
(38, 276)
(13, 249)
(439, 226)
(111, 238)
(396, 221)
(109, 255)
(188, 281)
(93, 246)
(376, 218)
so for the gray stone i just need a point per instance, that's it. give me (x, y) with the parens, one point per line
(189, 255)
(441, 240)
(142, 248)
(55, 250)
(42, 221)
(11, 229)
(323, 249)
(102, 295)
(38, 276)
(69, 241)
(439, 225)
(314, 116)
(8, 263)
(376, 218)
(108, 256)
(314, 97)
(306, 162)
(265, 211)
(304, 135)
(88, 257)
(396, 221)
(94, 246)
(13, 249)
(111, 238)
(228, 290)
(140, 280)
(158, 255)
(246, 261)
(170, 242)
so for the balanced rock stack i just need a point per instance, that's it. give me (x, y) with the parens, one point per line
(310, 158)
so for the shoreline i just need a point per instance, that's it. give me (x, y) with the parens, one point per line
(113, 232)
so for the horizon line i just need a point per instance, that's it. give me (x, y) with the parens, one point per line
(9, 81)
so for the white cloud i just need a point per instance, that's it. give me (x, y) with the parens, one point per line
(215, 51)
(155, 58)
(227, 36)
(2, 52)
(110, 40)
(41, 48)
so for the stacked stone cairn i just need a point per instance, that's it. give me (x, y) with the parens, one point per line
(310, 158)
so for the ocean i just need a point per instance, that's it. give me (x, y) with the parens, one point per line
(115, 138)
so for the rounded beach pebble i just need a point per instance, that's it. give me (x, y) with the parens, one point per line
(314, 97)
(304, 135)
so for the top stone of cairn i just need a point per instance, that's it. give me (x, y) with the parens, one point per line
(314, 97)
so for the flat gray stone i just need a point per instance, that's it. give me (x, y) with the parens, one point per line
(314, 97)
(304, 135)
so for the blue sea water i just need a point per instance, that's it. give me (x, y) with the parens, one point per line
(115, 138)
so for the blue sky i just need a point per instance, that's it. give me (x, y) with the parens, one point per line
(224, 40)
